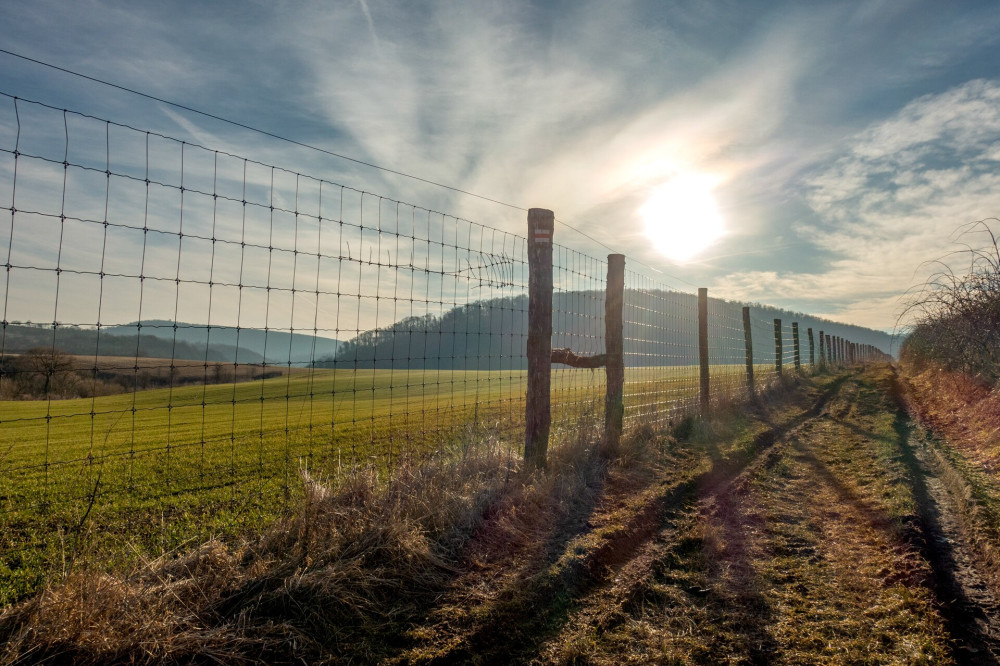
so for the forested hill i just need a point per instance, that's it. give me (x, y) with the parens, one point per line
(660, 329)
(86, 342)
(273, 346)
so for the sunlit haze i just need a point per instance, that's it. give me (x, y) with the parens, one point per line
(682, 218)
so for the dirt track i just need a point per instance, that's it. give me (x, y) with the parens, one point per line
(830, 539)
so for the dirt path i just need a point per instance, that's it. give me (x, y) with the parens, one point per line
(831, 539)
(969, 606)
(839, 545)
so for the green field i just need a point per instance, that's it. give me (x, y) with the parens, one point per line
(135, 475)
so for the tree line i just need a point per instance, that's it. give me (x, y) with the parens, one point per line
(660, 328)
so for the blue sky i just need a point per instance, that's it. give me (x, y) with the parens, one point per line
(846, 141)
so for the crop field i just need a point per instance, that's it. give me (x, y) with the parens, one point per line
(157, 468)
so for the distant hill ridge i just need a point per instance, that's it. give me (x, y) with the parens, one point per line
(276, 347)
(87, 342)
(661, 329)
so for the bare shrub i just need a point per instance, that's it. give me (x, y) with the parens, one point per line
(956, 314)
(42, 372)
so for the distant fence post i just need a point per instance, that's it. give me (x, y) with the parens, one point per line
(703, 347)
(795, 346)
(829, 350)
(822, 351)
(538, 408)
(777, 346)
(614, 348)
(748, 343)
(812, 355)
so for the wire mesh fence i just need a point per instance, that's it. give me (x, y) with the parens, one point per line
(185, 329)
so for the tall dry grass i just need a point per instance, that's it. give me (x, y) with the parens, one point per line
(364, 555)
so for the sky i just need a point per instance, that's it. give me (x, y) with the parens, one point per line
(828, 150)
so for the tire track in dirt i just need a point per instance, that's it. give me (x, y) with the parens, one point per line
(627, 587)
(967, 603)
(543, 606)
(797, 558)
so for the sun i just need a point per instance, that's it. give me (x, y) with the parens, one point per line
(682, 218)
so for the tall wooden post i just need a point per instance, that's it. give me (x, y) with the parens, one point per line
(748, 344)
(822, 350)
(538, 408)
(795, 346)
(614, 348)
(703, 347)
(812, 349)
(777, 346)
(829, 349)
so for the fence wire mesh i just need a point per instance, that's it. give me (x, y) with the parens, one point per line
(185, 329)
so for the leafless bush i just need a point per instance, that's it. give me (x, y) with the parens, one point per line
(955, 315)
(40, 372)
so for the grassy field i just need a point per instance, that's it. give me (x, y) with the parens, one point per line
(117, 477)
(805, 527)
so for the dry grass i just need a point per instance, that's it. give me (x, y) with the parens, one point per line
(963, 416)
(963, 409)
(364, 556)
(801, 557)
(652, 556)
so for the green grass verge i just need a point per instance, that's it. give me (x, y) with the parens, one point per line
(115, 478)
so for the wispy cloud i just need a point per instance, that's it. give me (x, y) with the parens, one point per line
(892, 200)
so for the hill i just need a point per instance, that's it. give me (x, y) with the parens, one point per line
(660, 329)
(273, 346)
(118, 341)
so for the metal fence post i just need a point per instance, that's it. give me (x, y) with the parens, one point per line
(703, 347)
(777, 346)
(614, 348)
(538, 408)
(748, 344)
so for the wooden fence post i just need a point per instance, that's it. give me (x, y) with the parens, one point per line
(748, 343)
(822, 351)
(703, 347)
(538, 408)
(777, 346)
(795, 346)
(812, 354)
(829, 350)
(614, 348)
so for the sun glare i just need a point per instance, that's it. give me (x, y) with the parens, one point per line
(681, 217)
